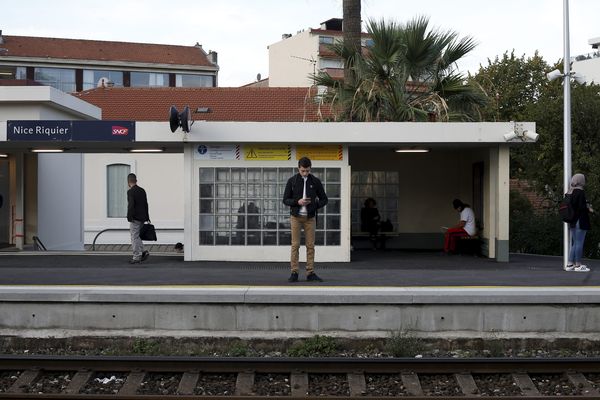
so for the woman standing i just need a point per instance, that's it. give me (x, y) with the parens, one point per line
(581, 224)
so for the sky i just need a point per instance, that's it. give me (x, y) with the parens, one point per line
(240, 31)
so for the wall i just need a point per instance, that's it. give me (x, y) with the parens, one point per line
(161, 175)
(590, 69)
(287, 71)
(60, 208)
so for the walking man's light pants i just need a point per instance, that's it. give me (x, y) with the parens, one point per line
(136, 243)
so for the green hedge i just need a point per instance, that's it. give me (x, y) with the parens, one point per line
(541, 232)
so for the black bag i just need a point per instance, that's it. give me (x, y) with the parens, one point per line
(566, 210)
(147, 232)
(387, 226)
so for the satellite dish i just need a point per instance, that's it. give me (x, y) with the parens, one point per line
(104, 82)
(179, 119)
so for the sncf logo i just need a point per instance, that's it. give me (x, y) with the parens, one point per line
(120, 131)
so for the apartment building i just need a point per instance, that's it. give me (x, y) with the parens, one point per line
(295, 58)
(588, 64)
(73, 65)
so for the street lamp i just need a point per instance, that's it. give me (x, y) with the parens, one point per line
(566, 76)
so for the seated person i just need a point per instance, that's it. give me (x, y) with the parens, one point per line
(370, 220)
(465, 226)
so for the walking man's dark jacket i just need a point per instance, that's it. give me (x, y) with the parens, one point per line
(314, 190)
(137, 205)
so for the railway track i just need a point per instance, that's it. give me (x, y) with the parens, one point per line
(77, 377)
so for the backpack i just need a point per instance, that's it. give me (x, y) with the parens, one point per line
(566, 210)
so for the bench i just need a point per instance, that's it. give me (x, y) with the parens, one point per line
(381, 238)
(468, 245)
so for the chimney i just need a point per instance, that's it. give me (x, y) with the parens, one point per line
(212, 56)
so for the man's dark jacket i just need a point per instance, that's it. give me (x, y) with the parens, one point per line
(314, 190)
(137, 205)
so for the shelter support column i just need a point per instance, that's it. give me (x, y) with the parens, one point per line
(17, 200)
(501, 162)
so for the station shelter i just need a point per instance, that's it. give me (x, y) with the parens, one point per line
(234, 173)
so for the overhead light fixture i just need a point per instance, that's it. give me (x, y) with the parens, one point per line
(411, 150)
(47, 150)
(2, 155)
(146, 150)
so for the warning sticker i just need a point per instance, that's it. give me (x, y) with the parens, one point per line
(321, 152)
(265, 152)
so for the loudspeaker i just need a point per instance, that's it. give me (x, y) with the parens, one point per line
(179, 119)
(173, 119)
(184, 119)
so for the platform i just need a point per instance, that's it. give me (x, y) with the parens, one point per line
(427, 294)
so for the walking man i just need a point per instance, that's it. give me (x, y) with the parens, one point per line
(137, 214)
(304, 195)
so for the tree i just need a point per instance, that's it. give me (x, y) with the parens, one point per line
(512, 84)
(524, 94)
(351, 27)
(409, 74)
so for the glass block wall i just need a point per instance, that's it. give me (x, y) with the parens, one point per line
(383, 186)
(243, 207)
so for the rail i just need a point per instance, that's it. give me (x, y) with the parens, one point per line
(128, 377)
(126, 230)
(38, 245)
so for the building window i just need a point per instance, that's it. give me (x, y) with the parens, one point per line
(243, 207)
(8, 72)
(325, 39)
(59, 78)
(188, 80)
(331, 63)
(92, 77)
(149, 79)
(383, 186)
(116, 190)
(368, 43)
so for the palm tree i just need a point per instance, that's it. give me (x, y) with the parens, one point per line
(352, 31)
(409, 74)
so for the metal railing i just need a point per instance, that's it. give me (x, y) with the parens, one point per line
(127, 230)
(38, 245)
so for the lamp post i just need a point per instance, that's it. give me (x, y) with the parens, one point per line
(567, 123)
(566, 76)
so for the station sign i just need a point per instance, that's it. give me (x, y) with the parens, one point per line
(71, 131)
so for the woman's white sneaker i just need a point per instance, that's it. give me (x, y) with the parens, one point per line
(569, 267)
(581, 268)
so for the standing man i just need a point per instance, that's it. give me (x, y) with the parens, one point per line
(304, 195)
(137, 214)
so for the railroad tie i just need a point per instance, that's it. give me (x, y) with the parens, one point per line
(188, 383)
(467, 383)
(356, 381)
(132, 384)
(411, 382)
(299, 384)
(525, 384)
(244, 383)
(579, 380)
(25, 380)
(78, 381)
